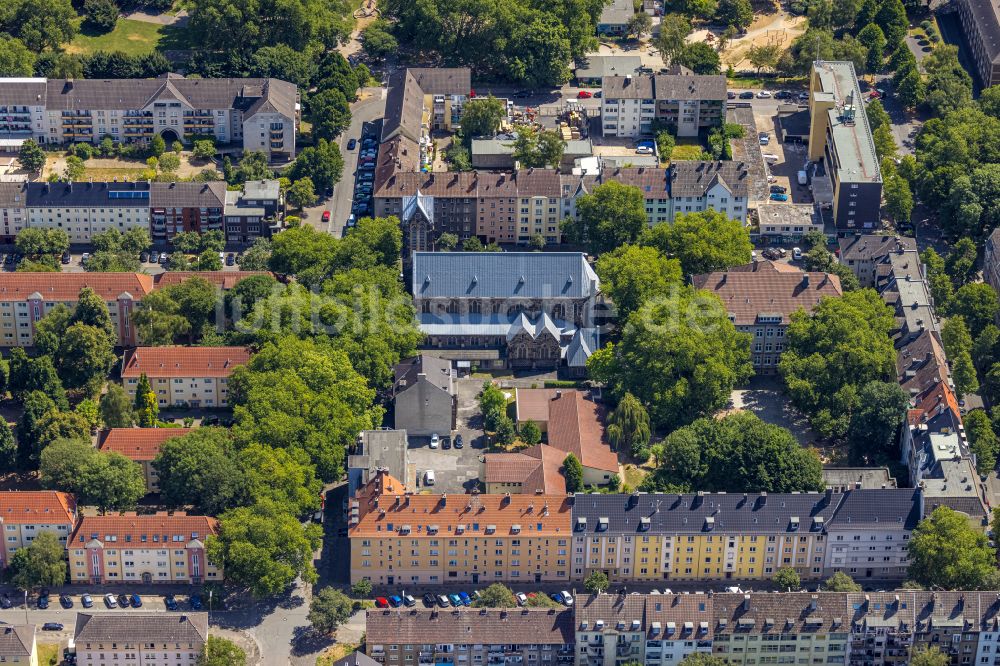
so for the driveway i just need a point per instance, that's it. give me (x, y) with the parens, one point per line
(765, 398)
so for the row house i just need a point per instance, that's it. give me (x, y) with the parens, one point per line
(398, 538)
(257, 114)
(129, 548)
(688, 103)
(13, 210)
(87, 208)
(28, 513)
(760, 299)
(185, 207)
(140, 638)
(140, 445)
(186, 376)
(18, 644)
(404, 637)
(980, 23)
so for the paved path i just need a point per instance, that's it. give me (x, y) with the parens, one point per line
(180, 18)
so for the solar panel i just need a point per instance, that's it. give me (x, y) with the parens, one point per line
(114, 194)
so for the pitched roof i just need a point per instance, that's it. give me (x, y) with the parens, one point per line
(878, 508)
(129, 527)
(404, 106)
(187, 195)
(417, 516)
(651, 181)
(108, 194)
(503, 275)
(537, 469)
(575, 426)
(659, 616)
(870, 247)
(23, 91)
(13, 195)
(17, 640)
(533, 404)
(548, 626)
(780, 613)
(37, 506)
(921, 363)
(356, 659)
(437, 371)
(627, 87)
(689, 86)
(761, 289)
(177, 361)
(694, 179)
(140, 444)
(141, 627)
(443, 80)
(67, 286)
(226, 280)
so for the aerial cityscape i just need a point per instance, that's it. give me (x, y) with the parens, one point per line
(519, 333)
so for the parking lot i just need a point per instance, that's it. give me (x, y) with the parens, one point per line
(364, 176)
(74, 262)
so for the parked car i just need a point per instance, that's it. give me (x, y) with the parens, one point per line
(395, 601)
(429, 478)
(764, 139)
(566, 598)
(86, 601)
(730, 94)
(230, 259)
(144, 257)
(782, 94)
(778, 189)
(84, 258)
(210, 420)
(522, 599)
(170, 602)
(352, 144)
(66, 258)
(381, 602)
(43, 600)
(803, 96)
(455, 600)
(136, 601)
(458, 441)
(435, 440)
(746, 95)
(445, 443)
(442, 601)
(763, 94)
(52, 626)
(110, 601)
(124, 600)
(430, 600)
(597, 95)
(466, 599)
(65, 601)
(326, 216)
(409, 601)
(797, 253)
(777, 196)
(644, 150)
(195, 601)
(154, 256)
(5, 601)
(584, 94)
(164, 258)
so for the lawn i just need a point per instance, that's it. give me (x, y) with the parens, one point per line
(48, 654)
(335, 653)
(131, 37)
(634, 476)
(687, 149)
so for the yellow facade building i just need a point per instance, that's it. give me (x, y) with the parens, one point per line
(192, 376)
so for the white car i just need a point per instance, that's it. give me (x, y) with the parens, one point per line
(435, 440)
(110, 601)
(567, 598)
(796, 254)
(522, 599)
(764, 94)
(765, 140)
(644, 150)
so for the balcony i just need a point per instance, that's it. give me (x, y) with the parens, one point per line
(75, 114)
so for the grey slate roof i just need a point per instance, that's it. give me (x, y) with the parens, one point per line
(503, 275)
(470, 626)
(13, 195)
(17, 640)
(616, 12)
(871, 247)
(751, 513)
(627, 87)
(23, 91)
(443, 80)
(141, 628)
(356, 659)
(693, 179)
(584, 343)
(190, 195)
(594, 66)
(690, 87)
(875, 509)
(85, 194)
(437, 370)
(986, 15)
(404, 105)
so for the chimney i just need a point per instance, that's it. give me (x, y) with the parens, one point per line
(805, 280)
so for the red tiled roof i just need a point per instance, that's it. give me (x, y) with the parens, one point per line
(537, 469)
(180, 361)
(224, 279)
(937, 398)
(37, 506)
(533, 404)
(135, 529)
(67, 286)
(140, 444)
(575, 427)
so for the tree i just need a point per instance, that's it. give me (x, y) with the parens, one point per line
(573, 471)
(86, 355)
(169, 163)
(877, 115)
(200, 469)
(8, 448)
(301, 193)
(62, 462)
(628, 427)
(330, 112)
(257, 256)
(946, 551)
(702, 242)
(102, 14)
(40, 564)
(505, 431)
(928, 657)
(285, 476)
(885, 144)
(34, 243)
(472, 244)
(875, 422)
(596, 582)
(35, 374)
(322, 164)
(362, 588)
(220, 651)
(264, 549)
(610, 216)
(16, 60)
(961, 260)
(492, 404)
(911, 90)
(157, 146)
(700, 58)
(631, 275)
(447, 242)
(377, 41)
(640, 24)
(840, 582)
(834, 351)
(674, 29)
(703, 659)
(949, 86)
(482, 117)
(31, 156)
(204, 149)
(111, 481)
(680, 356)
(37, 409)
(977, 304)
(982, 440)
(496, 595)
(964, 375)
(665, 144)
(147, 409)
(530, 433)
(329, 609)
(874, 40)
(735, 13)
(158, 319)
(787, 578)
(940, 284)
(764, 56)
(40, 24)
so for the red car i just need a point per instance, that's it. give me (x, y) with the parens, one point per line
(382, 602)
(583, 94)
(326, 216)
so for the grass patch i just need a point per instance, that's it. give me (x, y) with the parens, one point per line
(687, 149)
(749, 81)
(110, 174)
(131, 37)
(48, 654)
(338, 651)
(634, 476)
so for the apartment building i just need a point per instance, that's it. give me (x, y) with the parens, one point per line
(193, 376)
(687, 102)
(136, 639)
(27, 297)
(761, 298)
(259, 114)
(141, 445)
(840, 144)
(87, 208)
(253, 213)
(153, 548)
(870, 533)
(398, 538)
(18, 644)
(655, 630)
(185, 207)
(980, 21)
(868, 254)
(539, 636)
(13, 209)
(26, 514)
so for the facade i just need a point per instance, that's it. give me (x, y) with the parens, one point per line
(153, 548)
(141, 445)
(13, 209)
(980, 21)
(398, 538)
(786, 223)
(259, 114)
(140, 638)
(866, 254)
(686, 101)
(255, 212)
(841, 144)
(26, 514)
(18, 644)
(537, 636)
(761, 297)
(27, 297)
(184, 207)
(424, 396)
(196, 376)
(869, 536)
(88, 208)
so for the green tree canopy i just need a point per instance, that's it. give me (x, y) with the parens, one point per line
(596, 582)
(482, 117)
(610, 216)
(573, 471)
(628, 427)
(840, 582)
(220, 651)
(329, 609)
(200, 469)
(703, 242)
(787, 578)
(496, 595)
(947, 551)
(631, 275)
(874, 425)
(40, 564)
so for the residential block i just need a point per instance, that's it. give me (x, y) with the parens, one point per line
(141, 445)
(196, 376)
(140, 638)
(25, 514)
